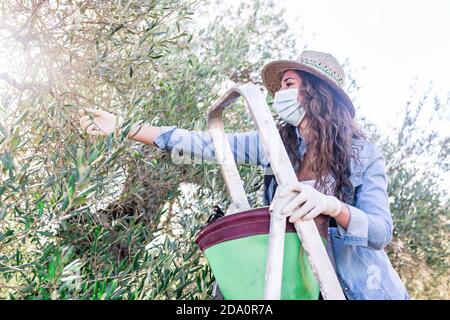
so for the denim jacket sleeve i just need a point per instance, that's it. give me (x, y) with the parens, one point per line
(246, 147)
(370, 218)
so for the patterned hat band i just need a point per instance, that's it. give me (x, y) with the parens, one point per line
(324, 69)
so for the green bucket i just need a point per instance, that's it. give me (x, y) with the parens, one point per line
(236, 249)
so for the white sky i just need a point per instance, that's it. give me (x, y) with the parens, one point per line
(388, 42)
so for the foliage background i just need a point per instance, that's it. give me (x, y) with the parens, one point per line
(108, 218)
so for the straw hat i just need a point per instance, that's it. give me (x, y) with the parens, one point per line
(320, 64)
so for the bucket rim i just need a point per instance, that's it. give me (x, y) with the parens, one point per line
(237, 225)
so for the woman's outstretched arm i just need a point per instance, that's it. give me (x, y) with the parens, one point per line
(184, 145)
(147, 134)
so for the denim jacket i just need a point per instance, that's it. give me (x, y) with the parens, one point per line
(362, 265)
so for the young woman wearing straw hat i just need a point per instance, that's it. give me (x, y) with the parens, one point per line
(342, 182)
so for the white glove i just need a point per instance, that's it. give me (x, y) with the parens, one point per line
(309, 203)
(99, 122)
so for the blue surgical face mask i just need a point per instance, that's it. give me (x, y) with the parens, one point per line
(288, 107)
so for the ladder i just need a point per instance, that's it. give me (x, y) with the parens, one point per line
(284, 174)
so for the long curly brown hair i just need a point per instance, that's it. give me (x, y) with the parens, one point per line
(331, 129)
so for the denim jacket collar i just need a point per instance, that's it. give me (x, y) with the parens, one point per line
(301, 144)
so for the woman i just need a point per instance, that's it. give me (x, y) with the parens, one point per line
(342, 182)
